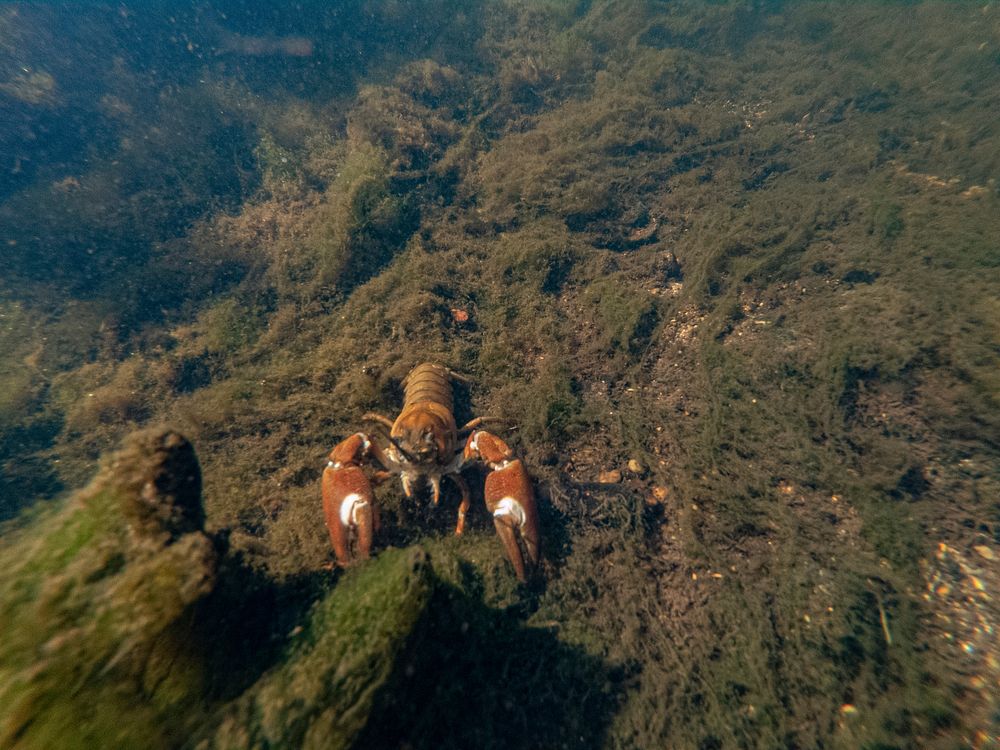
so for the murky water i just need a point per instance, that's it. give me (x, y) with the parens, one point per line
(724, 274)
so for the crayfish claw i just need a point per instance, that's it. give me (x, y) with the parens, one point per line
(505, 527)
(348, 500)
(509, 498)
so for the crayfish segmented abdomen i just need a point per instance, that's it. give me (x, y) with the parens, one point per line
(428, 382)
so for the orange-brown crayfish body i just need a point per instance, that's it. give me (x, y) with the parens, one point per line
(424, 444)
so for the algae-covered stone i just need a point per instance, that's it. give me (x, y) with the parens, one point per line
(160, 479)
(323, 693)
(94, 640)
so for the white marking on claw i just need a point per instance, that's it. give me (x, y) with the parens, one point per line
(350, 507)
(508, 506)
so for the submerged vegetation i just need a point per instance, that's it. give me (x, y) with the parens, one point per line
(730, 270)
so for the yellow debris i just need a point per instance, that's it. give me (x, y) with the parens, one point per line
(985, 552)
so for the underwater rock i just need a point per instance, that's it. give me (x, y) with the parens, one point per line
(323, 694)
(432, 84)
(160, 481)
(657, 495)
(36, 87)
(643, 235)
(985, 552)
(412, 134)
(670, 267)
(99, 597)
(636, 466)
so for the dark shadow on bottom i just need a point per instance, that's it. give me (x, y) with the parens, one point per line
(244, 624)
(476, 677)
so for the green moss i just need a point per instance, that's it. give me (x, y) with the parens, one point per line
(546, 405)
(323, 694)
(18, 376)
(232, 325)
(94, 609)
(887, 222)
(279, 167)
(625, 317)
(396, 640)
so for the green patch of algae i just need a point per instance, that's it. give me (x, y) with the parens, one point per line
(322, 694)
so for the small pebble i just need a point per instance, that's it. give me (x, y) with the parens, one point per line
(636, 466)
(657, 495)
(985, 552)
(612, 476)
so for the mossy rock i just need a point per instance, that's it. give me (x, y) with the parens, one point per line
(323, 693)
(98, 598)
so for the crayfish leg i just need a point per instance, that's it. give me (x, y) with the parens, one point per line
(529, 533)
(463, 506)
(407, 485)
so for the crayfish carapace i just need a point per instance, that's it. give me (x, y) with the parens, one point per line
(424, 442)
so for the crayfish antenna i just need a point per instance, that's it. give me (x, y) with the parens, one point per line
(465, 379)
(371, 416)
(472, 424)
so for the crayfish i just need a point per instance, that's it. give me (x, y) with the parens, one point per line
(424, 443)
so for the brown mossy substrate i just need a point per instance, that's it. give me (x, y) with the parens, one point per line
(750, 246)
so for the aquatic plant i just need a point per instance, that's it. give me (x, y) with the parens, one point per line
(734, 260)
